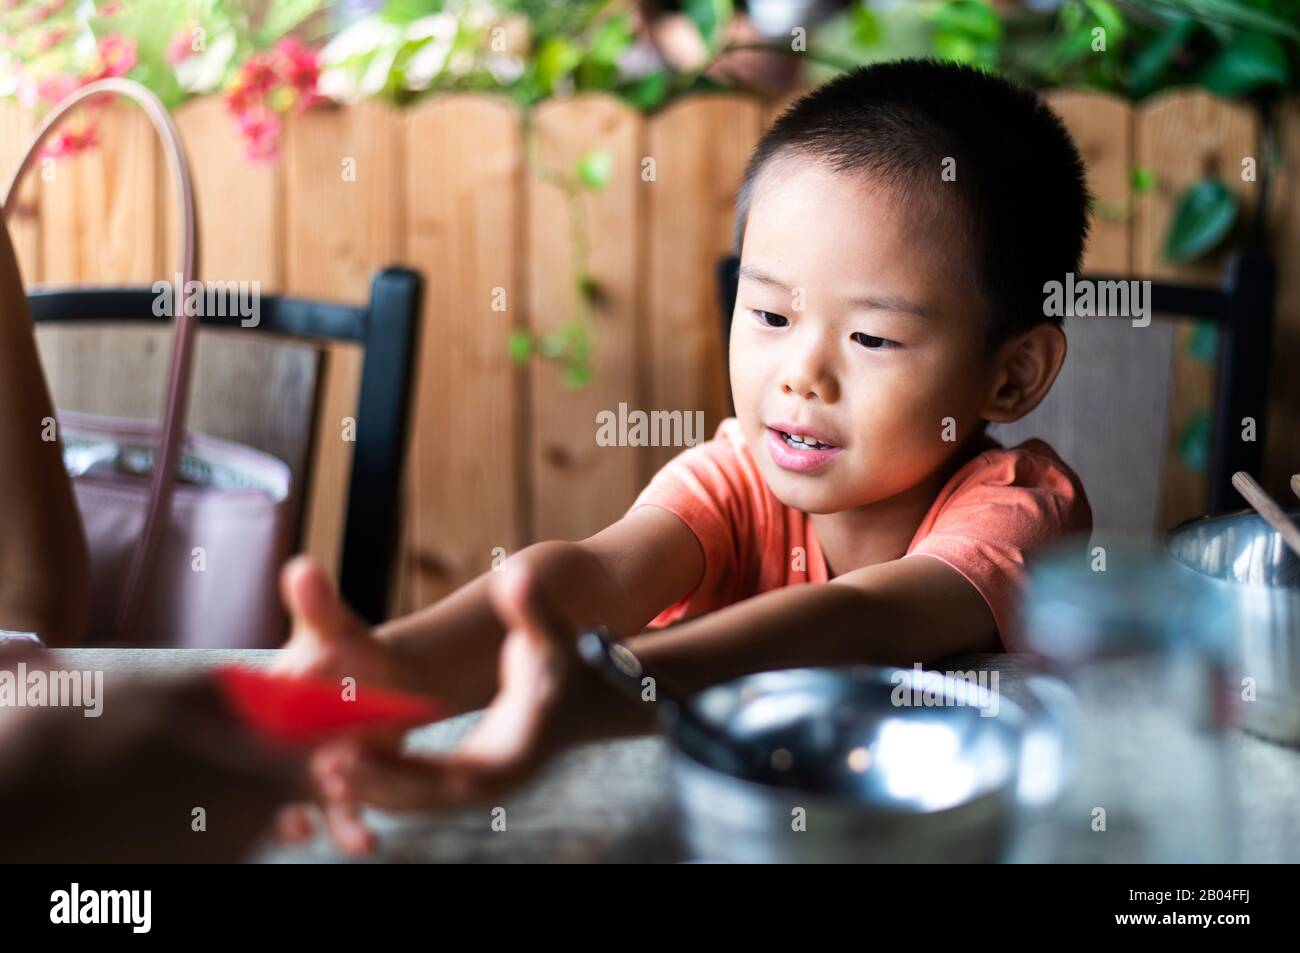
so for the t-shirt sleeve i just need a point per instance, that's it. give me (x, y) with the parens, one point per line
(1009, 504)
(705, 486)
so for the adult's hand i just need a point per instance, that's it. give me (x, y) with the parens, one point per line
(132, 784)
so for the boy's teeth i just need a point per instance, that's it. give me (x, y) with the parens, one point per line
(803, 443)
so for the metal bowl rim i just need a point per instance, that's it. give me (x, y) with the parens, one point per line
(1017, 721)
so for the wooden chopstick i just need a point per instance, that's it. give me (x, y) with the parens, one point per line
(1266, 507)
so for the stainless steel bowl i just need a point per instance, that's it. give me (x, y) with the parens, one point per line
(1260, 578)
(852, 775)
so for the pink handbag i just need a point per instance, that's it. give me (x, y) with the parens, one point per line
(186, 553)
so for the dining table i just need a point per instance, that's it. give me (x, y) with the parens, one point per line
(612, 801)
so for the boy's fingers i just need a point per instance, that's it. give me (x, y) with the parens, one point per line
(349, 833)
(293, 824)
(503, 751)
(407, 783)
(315, 607)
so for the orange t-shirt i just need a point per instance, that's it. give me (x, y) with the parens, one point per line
(1000, 506)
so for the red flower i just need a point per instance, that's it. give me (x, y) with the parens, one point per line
(69, 142)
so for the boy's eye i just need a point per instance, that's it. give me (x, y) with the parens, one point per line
(770, 319)
(873, 343)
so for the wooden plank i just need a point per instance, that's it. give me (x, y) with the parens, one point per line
(239, 202)
(1182, 136)
(1282, 447)
(247, 387)
(1102, 127)
(699, 147)
(101, 208)
(343, 206)
(100, 222)
(16, 127)
(578, 486)
(463, 186)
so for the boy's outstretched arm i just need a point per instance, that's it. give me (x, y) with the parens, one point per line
(621, 577)
(908, 610)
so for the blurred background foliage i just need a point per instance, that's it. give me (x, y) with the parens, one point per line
(649, 51)
(271, 57)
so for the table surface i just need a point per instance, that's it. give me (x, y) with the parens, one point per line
(611, 801)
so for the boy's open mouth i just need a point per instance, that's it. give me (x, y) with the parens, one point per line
(804, 442)
(797, 449)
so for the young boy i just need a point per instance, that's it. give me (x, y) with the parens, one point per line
(896, 228)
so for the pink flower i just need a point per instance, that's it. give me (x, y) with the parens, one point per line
(117, 56)
(56, 87)
(268, 85)
(42, 13)
(53, 38)
(109, 9)
(261, 129)
(181, 47)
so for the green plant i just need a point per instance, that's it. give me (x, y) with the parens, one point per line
(570, 345)
(176, 48)
(1246, 49)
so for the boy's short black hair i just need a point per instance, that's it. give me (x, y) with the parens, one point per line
(1020, 185)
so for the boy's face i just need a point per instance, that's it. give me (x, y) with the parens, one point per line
(856, 325)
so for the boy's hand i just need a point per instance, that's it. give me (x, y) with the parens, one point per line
(547, 698)
(328, 640)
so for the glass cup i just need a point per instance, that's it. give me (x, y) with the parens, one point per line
(1145, 645)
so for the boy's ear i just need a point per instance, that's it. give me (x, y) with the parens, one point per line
(1027, 366)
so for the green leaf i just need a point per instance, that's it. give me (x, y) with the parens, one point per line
(649, 91)
(971, 18)
(408, 11)
(708, 16)
(1109, 18)
(1205, 214)
(521, 345)
(1141, 179)
(1151, 62)
(557, 58)
(866, 25)
(1227, 15)
(577, 375)
(594, 168)
(611, 40)
(1194, 442)
(1203, 342)
(282, 16)
(956, 48)
(1249, 61)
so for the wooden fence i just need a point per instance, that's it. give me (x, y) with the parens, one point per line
(503, 454)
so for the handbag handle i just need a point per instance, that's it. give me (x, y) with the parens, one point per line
(162, 479)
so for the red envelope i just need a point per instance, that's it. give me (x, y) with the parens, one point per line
(305, 711)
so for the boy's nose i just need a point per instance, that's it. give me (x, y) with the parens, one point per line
(808, 376)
